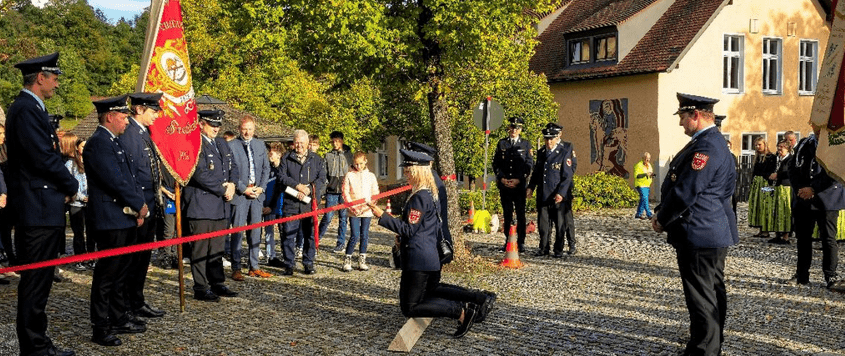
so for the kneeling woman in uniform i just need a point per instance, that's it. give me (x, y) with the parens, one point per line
(421, 295)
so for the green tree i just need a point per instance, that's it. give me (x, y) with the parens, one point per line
(425, 51)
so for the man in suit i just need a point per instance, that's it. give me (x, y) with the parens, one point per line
(552, 177)
(137, 142)
(39, 186)
(116, 207)
(250, 155)
(819, 198)
(512, 164)
(304, 172)
(204, 199)
(696, 214)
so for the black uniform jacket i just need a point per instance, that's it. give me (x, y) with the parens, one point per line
(136, 140)
(553, 173)
(204, 194)
(37, 178)
(111, 185)
(417, 231)
(513, 160)
(805, 171)
(696, 210)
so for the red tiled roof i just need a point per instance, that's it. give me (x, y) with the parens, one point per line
(655, 52)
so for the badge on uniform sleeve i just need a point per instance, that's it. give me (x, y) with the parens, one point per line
(674, 177)
(569, 162)
(699, 160)
(414, 216)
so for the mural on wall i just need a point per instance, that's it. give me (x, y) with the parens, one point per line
(609, 135)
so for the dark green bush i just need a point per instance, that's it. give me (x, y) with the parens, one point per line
(600, 190)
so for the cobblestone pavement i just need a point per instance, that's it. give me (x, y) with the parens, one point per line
(620, 295)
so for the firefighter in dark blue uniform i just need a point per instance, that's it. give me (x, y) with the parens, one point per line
(39, 185)
(441, 188)
(512, 164)
(420, 292)
(116, 207)
(204, 199)
(305, 172)
(696, 214)
(552, 178)
(137, 142)
(818, 199)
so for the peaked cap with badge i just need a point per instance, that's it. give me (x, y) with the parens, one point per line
(689, 102)
(117, 103)
(150, 100)
(212, 117)
(48, 63)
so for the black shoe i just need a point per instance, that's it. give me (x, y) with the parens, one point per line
(521, 248)
(572, 251)
(485, 307)
(57, 277)
(134, 319)
(541, 253)
(148, 312)
(103, 339)
(224, 291)
(558, 255)
(469, 315)
(309, 270)
(276, 262)
(288, 271)
(794, 280)
(128, 328)
(58, 352)
(836, 285)
(207, 296)
(779, 241)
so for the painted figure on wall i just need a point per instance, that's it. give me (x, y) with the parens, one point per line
(609, 135)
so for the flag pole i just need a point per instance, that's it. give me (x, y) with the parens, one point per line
(179, 247)
(156, 10)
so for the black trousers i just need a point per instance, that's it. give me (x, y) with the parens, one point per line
(207, 255)
(108, 302)
(35, 244)
(560, 216)
(513, 200)
(6, 235)
(805, 220)
(78, 225)
(422, 296)
(139, 262)
(703, 277)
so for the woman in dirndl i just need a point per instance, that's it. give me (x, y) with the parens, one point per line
(761, 196)
(782, 220)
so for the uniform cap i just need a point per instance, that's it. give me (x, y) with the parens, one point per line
(516, 122)
(150, 100)
(689, 102)
(421, 147)
(212, 117)
(48, 63)
(117, 103)
(552, 130)
(718, 120)
(412, 158)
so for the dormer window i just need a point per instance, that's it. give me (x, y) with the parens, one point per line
(593, 47)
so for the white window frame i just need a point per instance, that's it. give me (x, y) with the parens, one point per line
(766, 66)
(751, 136)
(381, 160)
(727, 136)
(811, 61)
(399, 145)
(738, 53)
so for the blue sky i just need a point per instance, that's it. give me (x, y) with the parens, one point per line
(114, 9)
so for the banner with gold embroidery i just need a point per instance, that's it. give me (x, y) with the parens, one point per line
(165, 68)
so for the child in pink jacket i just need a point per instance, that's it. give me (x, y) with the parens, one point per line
(359, 183)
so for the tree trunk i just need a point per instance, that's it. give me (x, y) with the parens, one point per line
(438, 113)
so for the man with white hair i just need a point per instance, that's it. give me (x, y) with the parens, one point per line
(301, 173)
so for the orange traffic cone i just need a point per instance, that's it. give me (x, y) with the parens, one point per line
(511, 251)
(388, 210)
(471, 211)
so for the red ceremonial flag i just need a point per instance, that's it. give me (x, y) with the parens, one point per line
(165, 68)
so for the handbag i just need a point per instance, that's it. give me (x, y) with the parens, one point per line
(444, 246)
(396, 255)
